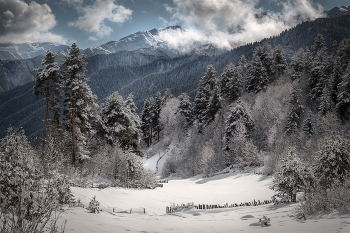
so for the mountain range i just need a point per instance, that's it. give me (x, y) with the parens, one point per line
(141, 64)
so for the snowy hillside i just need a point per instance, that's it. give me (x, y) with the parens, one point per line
(228, 188)
(148, 41)
(28, 50)
(338, 11)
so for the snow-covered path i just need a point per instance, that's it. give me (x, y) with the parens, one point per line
(228, 188)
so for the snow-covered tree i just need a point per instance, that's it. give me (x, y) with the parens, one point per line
(120, 122)
(214, 105)
(343, 96)
(333, 160)
(293, 117)
(292, 176)
(29, 199)
(185, 107)
(238, 114)
(156, 108)
(298, 64)
(231, 83)
(237, 124)
(279, 64)
(208, 162)
(205, 91)
(326, 103)
(308, 126)
(134, 130)
(257, 77)
(49, 84)
(146, 121)
(319, 68)
(319, 44)
(78, 100)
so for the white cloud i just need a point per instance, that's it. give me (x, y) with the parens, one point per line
(93, 17)
(72, 2)
(230, 23)
(21, 22)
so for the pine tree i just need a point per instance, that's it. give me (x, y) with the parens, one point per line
(204, 93)
(167, 95)
(343, 96)
(333, 162)
(298, 64)
(214, 105)
(264, 52)
(279, 64)
(243, 70)
(326, 103)
(308, 126)
(319, 44)
(320, 68)
(257, 78)
(135, 128)
(156, 109)
(292, 176)
(231, 83)
(146, 121)
(344, 54)
(237, 118)
(293, 117)
(78, 100)
(49, 84)
(121, 123)
(185, 107)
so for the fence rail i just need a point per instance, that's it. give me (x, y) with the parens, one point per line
(175, 208)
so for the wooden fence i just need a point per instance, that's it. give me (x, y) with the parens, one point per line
(174, 208)
(135, 210)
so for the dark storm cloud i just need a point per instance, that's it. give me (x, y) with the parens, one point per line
(20, 22)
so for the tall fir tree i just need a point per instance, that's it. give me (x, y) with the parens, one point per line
(293, 117)
(156, 109)
(146, 121)
(185, 107)
(343, 96)
(230, 82)
(298, 64)
(135, 128)
(279, 63)
(214, 105)
(49, 84)
(238, 117)
(121, 123)
(205, 90)
(308, 126)
(257, 78)
(78, 100)
(319, 68)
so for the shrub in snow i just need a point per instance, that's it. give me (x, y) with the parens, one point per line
(331, 170)
(292, 176)
(333, 162)
(264, 221)
(94, 206)
(29, 201)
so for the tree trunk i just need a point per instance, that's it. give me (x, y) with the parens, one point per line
(45, 127)
(74, 139)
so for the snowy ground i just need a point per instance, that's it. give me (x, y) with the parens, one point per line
(227, 188)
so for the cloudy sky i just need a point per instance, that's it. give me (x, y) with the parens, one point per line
(91, 23)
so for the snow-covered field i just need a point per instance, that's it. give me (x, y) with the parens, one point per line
(221, 189)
